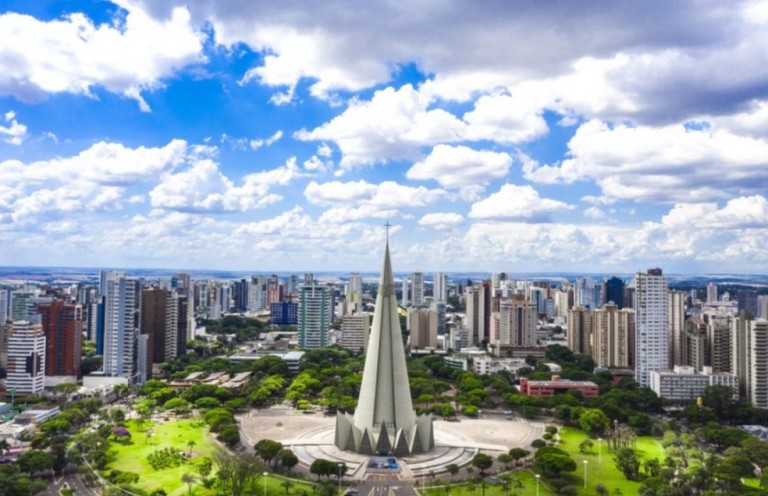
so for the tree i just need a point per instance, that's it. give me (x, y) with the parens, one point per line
(483, 462)
(204, 469)
(553, 461)
(586, 446)
(627, 462)
(505, 459)
(652, 467)
(288, 459)
(287, 484)
(322, 468)
(235, 471)
(191, 444)
(34, 461)
(229, 435)
(158, 492)
(452, 469)
(188, 479)
(593, 421)
(518, 454)
(267, 449)
(178, 405)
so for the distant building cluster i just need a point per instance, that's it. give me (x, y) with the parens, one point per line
(676, 342)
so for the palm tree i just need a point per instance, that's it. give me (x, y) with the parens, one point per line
(287, 485)
(188, 479)
(191, 443)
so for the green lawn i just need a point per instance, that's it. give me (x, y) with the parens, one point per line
(605, 471)
(461, 488)
(174, 433)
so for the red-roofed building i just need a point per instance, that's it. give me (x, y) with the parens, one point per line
(557, 385)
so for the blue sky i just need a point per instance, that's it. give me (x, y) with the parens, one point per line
(523, 136)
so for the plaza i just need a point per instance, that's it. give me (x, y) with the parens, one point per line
(311, 437)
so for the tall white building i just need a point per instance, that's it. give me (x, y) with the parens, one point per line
(740, 330)
(26, 357)
(712, 292)
(417, 289)
(122, 321)
(5, 305)
(757, 378)
(652, 323)
(440, 289)
(315, 316)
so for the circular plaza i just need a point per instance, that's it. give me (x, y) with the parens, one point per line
(311, 437)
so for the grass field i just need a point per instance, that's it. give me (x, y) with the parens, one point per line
(605, 472)
(177, 434)
(174, 433)
(526, 479)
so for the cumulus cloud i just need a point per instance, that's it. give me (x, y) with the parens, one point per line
(664, 164)
(12, 132)
(441, 221)
(202, 187)
(742, 212)
(517, 202)
(461, 167)
(255, 144)
(73, 54)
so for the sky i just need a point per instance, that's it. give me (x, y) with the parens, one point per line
(522, 136)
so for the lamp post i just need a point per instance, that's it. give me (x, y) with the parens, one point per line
(538, 476)
(600, 450)
(265, 483)
(585, 473)
(340, 466)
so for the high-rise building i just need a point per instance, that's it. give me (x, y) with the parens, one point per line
(122, 320)
(719, 344)
(478, 302)
(315, 310)
(354, 291)
(762, 307)
(614, 292)
(440, 283)
(354, 331)
(63, 328)
(580, 330)
(417, 289)
(652, 324)
(26, 357)
(5, 305)
(613, 337)
(740, 328)
(422, 326)
(384, 420)
(757, 378)
(515, 323)
(676, 327)
(438, 307)
(160, 322)
(712, 292)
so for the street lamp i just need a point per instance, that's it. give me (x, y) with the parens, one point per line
(585, 473)
(600, 450)
(340, 466)
(538, 476)
(265, 483)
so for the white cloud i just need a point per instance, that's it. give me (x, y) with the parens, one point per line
(335, 192)
(517, 202)
(203, 188)
(594, 213)
(742, 212)
(72, 54)
(441, 221)
(667, 164)
(13, 132)
(393, 124)
(388, 195)
(461, 167)
(505, 119)
(255, 144)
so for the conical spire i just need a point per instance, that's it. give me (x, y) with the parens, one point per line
(384, 417)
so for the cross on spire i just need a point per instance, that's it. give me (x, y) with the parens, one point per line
(387, 225)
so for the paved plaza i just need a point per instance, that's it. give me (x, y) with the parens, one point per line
(311, 436)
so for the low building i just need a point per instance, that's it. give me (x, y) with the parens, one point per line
(684, 383)
(556, 386)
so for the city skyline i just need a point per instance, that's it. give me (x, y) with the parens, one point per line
(523, 137)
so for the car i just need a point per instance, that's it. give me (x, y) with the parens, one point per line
(352, 490)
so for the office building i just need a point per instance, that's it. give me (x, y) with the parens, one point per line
(422, 327)
(515, 324)
(652, 324)
(685, 384)
(284, 313)
(478, 304)
(160, 323)
(614, 292)
(740, 329)
(26, 357)
(712, 295)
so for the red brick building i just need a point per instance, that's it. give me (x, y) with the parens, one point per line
(63, 328)
(558, 385)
